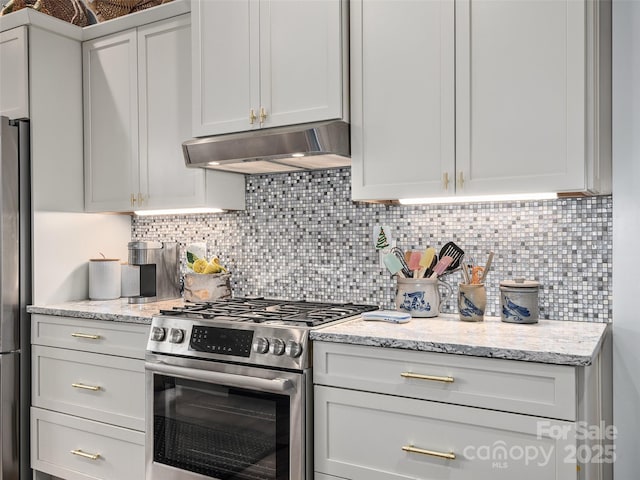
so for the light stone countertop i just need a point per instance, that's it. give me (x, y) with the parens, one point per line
(119, 310)
(549, 341)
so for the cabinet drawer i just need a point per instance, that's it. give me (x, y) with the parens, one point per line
(322, 476)
(98, 387)
(362, 436)
(512, 386)
(100, 336)
(55, 436)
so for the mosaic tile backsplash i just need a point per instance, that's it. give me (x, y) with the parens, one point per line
(301, 237)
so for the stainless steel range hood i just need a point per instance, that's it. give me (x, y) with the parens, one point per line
(310, 146)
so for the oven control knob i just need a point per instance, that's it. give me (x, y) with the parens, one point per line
(293, 349)
(261, 345)
(277, 346)
(158, 334)
(176, 335)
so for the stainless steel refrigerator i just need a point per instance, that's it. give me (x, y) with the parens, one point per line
(15, 292)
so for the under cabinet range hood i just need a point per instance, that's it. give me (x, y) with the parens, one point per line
(311, 146)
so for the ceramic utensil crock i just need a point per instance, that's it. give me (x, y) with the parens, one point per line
(472, 301)
(519, 301)
(421, 297)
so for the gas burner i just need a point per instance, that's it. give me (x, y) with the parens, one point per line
(269, 311)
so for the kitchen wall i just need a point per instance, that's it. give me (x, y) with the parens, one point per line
(626, 177)
(302, 237)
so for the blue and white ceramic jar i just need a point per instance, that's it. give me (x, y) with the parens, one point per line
(421, 297)
(519, 301)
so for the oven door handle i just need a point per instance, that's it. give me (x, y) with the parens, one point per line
(275, 385)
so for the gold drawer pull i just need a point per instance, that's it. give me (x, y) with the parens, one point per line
(445, 180)
(86, 335)
(434, 378)
(431, 453)
(90, 456)
(85, 387)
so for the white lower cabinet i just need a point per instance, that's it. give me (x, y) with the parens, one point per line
(107, 389)
(322, 476)
(369, 436)
(390, 414)
(88, 398)
(75, 448)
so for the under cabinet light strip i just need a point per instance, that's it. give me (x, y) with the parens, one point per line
(178, 211)
(479, 198)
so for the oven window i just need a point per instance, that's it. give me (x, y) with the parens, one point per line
(221, 432)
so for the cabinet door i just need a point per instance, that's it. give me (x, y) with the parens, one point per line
(402, 98)
(365, 436)
(58, 442)
(164, 75)
(110, 83)
(520, 73)
(105, 388)
(301, 60)
(14, 73)
(225, 65)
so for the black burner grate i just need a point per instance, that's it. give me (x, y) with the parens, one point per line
(301, 313)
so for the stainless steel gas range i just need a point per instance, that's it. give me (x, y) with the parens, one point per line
(229, 389)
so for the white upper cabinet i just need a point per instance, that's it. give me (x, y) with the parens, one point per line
(520, 96)
(164, 99)
(531, 91)
(110, 88)
(137, 87)
(14, 73)
(402, 98)
(267, 63)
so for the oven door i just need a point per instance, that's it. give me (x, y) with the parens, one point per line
(212, 420)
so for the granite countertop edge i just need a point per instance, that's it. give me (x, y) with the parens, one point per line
(555, 358)
(553, 342)
(104, 316)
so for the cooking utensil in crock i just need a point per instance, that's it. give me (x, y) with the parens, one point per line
(452, 250)
(393, 264)
(427, 261)
(400, 256)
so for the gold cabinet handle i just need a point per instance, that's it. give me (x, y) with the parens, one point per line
(252, 116)
(445, 180)
(85, 387)
(460, 179)
(90, 456)
(133, 200)
(86, 335)
(142, 198)
(431, 453)
(433, 378)
(263, 115)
